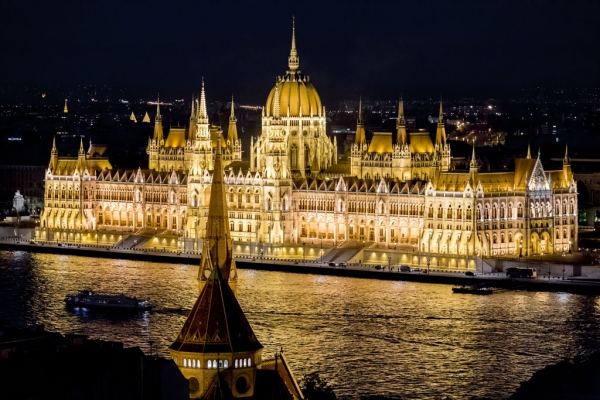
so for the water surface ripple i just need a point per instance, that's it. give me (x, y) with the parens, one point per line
(366, 337)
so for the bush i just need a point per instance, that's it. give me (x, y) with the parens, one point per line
(315, 388)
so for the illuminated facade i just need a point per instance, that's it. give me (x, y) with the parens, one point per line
(398, 189)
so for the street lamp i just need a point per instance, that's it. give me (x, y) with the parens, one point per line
(520, 249)
(303, 252)
(569, 246)
(389, 264)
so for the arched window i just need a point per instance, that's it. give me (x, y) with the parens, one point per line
(439, 213)
(245, 362)
(185, 362)
(430, 213)
(459, 213)
(226, 364)
(520, 210)
(469, 212)
(209, 364)
(249, 363)
(220, 363)
(449, 213)
(236, 363)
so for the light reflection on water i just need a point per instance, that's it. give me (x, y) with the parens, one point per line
(367, 337)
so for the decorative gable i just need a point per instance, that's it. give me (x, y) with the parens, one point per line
(538, 180)
(341, 185)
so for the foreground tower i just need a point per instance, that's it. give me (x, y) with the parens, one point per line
(218, 247)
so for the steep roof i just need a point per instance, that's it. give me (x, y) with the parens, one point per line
(216, 323)
(420, 142)
(381, 143)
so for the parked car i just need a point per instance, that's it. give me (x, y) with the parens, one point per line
(469, 273)
(378, 267)
(342, 265)
(404, 268)
(415, 270)
(332, 264)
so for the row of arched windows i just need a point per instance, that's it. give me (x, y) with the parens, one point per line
(214, 364)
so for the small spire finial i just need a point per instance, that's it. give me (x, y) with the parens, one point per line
(566, 159)
(360, 118)
(539, 152)
(528, 150)
(158, 116)
(441, 116)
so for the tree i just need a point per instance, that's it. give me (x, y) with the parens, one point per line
(315, 388)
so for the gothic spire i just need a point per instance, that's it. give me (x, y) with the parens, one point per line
(158, 130)
(566, 159)
(473, 164)
(360, 137)
(232, 135)
(81, 150)
(401, 124)
(293, 59)
(529, 150)
(440, 135)
(202, 114)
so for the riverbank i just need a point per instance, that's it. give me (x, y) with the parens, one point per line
(497, 279)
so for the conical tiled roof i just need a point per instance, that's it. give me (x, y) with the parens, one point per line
(216, 323)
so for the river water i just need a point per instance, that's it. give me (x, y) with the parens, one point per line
(366, 337)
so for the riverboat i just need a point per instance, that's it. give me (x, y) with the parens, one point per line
(89, 299)
(472, 290)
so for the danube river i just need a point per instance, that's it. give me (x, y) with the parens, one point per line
(366, 337)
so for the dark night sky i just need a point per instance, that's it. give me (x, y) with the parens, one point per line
(372, 48)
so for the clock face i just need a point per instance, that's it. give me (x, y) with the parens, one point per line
(194, 384)
(206, 273)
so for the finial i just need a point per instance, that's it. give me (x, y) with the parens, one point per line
(566, 159)
(54, 143)
(441, 117)
(539, 152)
(529, 150)
(193, 101)
(81, 150)
(202, 110)
(473, 163)
(66, 109)
(293, 59)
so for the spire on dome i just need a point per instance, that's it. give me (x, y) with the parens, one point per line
(293, 59)
(529, 150)
(566, 159)
(54, 149)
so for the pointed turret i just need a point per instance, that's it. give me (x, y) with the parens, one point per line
(566, 159)
(401, 124)
(66, 109)
(146, 118)
(215, 337)
(158, 130)
(132, 117)
(440, 135)
(232, 135)
(360, 126)
(81, 156)
(528, 150)
(53, 156)
(293, 59)
(202, 114)
(218, 252)
(473, 165)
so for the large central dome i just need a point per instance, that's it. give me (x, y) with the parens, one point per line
(294, 91)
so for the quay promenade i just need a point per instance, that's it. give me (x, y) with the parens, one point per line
(566, 274)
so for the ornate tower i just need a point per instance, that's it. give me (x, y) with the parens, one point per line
(53, 156)
(401, 125)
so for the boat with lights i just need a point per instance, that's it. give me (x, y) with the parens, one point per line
(89, 299)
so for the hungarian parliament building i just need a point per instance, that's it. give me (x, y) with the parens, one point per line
(397, 189)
